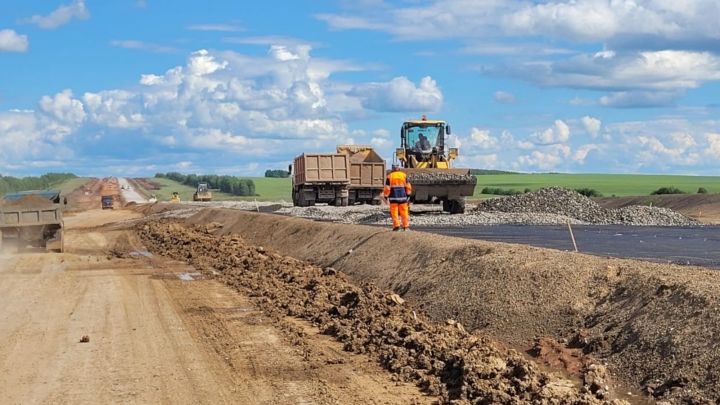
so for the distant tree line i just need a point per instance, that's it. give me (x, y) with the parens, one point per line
(10, 184)
(277, 173)
(227, 184)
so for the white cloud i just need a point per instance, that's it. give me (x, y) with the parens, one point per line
(141, 45)
(401, 95)
(61, 16)
(11, 41)
(558, 133)
(592, 125)
(216, 27)
(616, 21)
(482, 139)
(640, 99)
(539, 160)
(504, 97)
(713, 141)
(650, 71)
(582, 152)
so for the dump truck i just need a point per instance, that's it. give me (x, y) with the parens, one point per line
(32, 218)
(427, 161)
(202, 193)
(107, 202)
(367, 174)
(320, 178)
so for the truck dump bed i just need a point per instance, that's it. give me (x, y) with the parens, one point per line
(32, 218)
(367, 168)
(327, 168)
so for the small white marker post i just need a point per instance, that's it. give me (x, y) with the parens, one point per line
(257, 207)
(572, 236)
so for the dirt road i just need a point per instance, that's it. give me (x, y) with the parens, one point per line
(157, 334)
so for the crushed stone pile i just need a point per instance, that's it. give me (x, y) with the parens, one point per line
(445, 360)
(568, 203)
(440, 176)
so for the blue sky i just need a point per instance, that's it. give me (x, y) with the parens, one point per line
(131, 87)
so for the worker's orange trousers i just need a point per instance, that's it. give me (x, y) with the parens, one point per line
(400, 212)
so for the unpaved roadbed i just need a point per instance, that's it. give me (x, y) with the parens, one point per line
(158, 334)
(445, 360)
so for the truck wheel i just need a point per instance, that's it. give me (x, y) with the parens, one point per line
(447, 206)
(457, 206)
(344, 201)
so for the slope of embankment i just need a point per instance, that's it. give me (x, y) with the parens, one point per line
(658, 326)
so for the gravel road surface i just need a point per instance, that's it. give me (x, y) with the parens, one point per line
(129, 194)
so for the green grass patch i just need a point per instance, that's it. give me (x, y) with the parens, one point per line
(267, 188)
(607, 184)
(67, 186)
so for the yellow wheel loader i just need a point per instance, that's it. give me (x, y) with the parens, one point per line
(175, 197)
(427, 160)
(202, 193)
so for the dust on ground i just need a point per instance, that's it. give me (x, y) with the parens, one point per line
(155, 338)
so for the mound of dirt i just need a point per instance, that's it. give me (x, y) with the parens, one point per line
(29, 201)
(561, 201)
(445, 360)
(655, 325)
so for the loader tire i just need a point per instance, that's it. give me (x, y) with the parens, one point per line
(454, 206)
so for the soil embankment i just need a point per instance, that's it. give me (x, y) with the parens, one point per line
(444, 359)
(656, 325)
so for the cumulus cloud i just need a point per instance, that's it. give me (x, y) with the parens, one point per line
(582, 152)
(614, 21)
(401, 95)
(504, 97)
(481, 138)
(61, 16)
(270, 106)
(11, 41)
(558, 133)
(592, 125)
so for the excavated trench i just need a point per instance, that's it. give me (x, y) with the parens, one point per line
(656, 326)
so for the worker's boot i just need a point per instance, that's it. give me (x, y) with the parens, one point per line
(396, 229)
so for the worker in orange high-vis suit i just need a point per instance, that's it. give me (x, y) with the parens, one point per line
(397, 191)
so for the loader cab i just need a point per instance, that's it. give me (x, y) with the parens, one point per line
(422, 144)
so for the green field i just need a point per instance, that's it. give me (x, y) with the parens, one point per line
(620, 185)
(607, 184)
(269, 189)
(69, 185)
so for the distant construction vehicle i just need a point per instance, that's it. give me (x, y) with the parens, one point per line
(175, 197)
(33, 218)
(426, 159)
(107, 202)
(202, 193)
(320, 178)
(367, 174)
